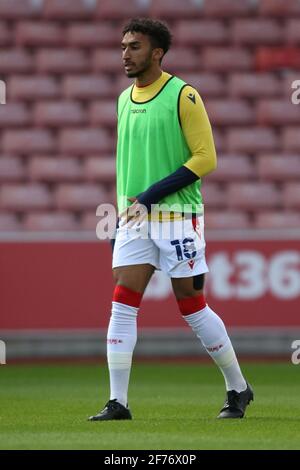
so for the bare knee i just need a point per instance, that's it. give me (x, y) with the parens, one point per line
(134, 277)
(188, 287)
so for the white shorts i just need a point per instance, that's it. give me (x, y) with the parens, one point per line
(177, 248)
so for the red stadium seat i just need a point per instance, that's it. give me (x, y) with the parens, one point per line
(122, 82)
(207, 84)
(89, 221)
(20, 9)
(11, 169)
(27, 88)
(292, 32)
(15, 61)
(200, 33)
(100, 169)
(219, 140)
(25, 197)
(28, 141)
(50, 222)
(39, 34)
(61, 61)
(69, 9)
(176, 9)
(252, 140)
(291, 195)
(6, 36)
(14, 115)
(229, 112)
(85, 141)
(92, 35)
(120, 10)
(107, 60)
(181, 59)
(251, 85)
(253, 196)
(87, 87)
(53, 169)
(103, 113)
(79, 197)
(226, 219)
(228, 59)
(277, 58)
(281, 167)
(228, 8)
(257, 32)
(232, 167)
(277, 112)
(277, 219)
(213, 195)
(291, 139)
(59, 113)
(279, 7)
(9, 223)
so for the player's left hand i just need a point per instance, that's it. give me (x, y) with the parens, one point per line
(134, 214)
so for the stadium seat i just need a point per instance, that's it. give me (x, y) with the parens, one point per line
(292, 31)
(50, 222)
(122, 82)
(226, 59)
(226, 219)
(100, 169)
(25, 197)
(219, 140)
(6, 37)
(120, 10)
(28, 88)
(103, 113)
(229, 112)
(84, 141)
(228, 8)
(79, 197)
(279, 8)
(207, 84)
(199, 33)
(59, 114)
(291, 139)
(176, 9)
(61, 61)
(253, 196)
(14, 115)
(15, 61)
(277, 219)
(291, 195)
(107, 60)
(20, 9)
(52, 169)
(213, 195)
(87, 87)
(9, 223)
(181, 59)
(28, 141)
(277, 112)
(12, 169)
(32, 33)
(252, 85)
(257, 32)
(69, 9)
(92, 35)
(232, 167)
(89, 221)
(277, 58)
(252, 140)
(282, 167)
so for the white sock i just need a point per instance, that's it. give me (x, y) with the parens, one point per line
(121, 340)
(211, 330)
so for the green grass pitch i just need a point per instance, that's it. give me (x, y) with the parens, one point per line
(174, 407)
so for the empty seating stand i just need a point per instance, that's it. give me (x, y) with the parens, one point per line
(61, 62)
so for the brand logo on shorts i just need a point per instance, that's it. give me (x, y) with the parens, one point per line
(191, 263)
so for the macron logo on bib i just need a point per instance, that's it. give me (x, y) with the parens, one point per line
(135, 111)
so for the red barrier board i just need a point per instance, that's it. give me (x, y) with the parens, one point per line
(59, 285)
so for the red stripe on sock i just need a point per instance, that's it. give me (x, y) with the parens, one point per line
(126, 296)
(191, 304)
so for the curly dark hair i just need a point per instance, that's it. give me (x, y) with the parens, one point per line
(158, 32)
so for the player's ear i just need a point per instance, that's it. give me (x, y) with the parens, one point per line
(158, 54)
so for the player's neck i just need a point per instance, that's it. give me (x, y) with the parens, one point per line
(149, 77)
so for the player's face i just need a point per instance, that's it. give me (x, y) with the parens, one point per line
(138, 54)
